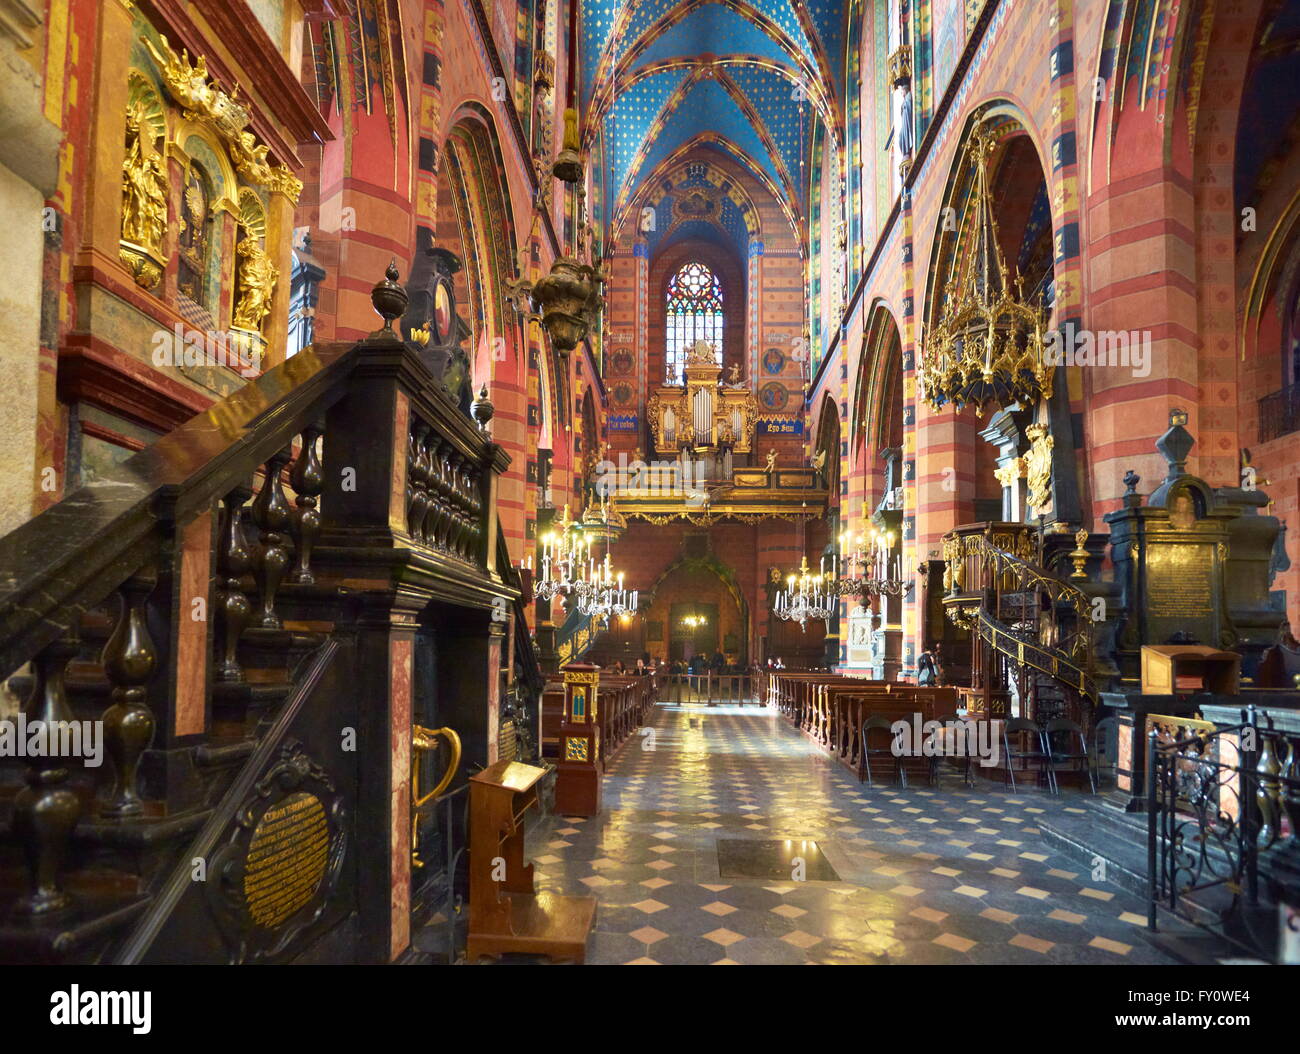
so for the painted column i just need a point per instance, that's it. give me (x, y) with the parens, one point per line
(914, 547)
(29, 170)
(279, 242)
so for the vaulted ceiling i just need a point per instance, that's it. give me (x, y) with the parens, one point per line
(750, 79)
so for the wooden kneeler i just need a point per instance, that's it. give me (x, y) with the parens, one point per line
(505, 913)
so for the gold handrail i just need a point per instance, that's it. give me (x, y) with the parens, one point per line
(425, 739)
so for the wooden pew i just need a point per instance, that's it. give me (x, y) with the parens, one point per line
(552, 712)
(831, 710)
(830, 719)
(899, 702)
(624, 704)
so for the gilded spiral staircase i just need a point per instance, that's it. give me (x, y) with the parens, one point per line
(1031, 629)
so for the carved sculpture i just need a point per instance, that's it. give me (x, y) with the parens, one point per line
(144, 200)
(1038, 468)
(257, 278)
(190, 87)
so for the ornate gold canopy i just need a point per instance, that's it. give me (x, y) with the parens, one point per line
(988, 343)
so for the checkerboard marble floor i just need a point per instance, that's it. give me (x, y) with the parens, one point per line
(927, 874)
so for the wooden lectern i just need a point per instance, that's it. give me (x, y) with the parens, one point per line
(505, 914)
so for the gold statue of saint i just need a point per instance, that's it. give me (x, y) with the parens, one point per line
(257, 277)
(144, 198)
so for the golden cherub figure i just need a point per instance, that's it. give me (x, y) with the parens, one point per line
(188, 84)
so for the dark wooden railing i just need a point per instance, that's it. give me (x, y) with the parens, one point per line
(343, 486)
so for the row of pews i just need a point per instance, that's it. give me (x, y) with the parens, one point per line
(623, 705)
(832, 711)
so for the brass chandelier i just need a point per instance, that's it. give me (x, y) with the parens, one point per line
(988, 343)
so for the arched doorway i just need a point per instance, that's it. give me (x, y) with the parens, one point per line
(698, 611)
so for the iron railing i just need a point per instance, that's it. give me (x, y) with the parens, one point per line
(711, 689)
(1219, 803)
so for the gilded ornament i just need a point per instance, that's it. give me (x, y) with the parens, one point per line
(1079, 557)
(190, 87)
(987, 344)
(1038, 468)
(144, 198)
(257, 278)
(1010, 472)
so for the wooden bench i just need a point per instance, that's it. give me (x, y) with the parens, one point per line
(833, 709)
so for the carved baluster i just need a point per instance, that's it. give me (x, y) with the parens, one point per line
(439, 497)
(234, 560)
(1268, 791)
(468, 488)
(432, 482)
(271, 514)
(453, 527)
(467, 511)
(129, 661)
(308, 479)
(476, 509)
(1291, 792)
(47, 809)
(418, 474)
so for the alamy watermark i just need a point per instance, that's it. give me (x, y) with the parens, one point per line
(179, 346)
(65, 740)
(968, 738)
(1129, 349)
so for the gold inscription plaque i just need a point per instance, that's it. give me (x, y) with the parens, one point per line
(286, 860)
(1179, 581)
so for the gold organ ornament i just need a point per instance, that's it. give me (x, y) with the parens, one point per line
(987, 345)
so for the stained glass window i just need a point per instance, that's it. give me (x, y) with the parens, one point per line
(694, 312)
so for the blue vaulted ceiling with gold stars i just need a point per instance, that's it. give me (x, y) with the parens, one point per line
(752, 80)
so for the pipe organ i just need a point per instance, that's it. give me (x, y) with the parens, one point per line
(706, 413)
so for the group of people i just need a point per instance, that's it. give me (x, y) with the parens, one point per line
(640, 668)
(698, 664)
(701, 664)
